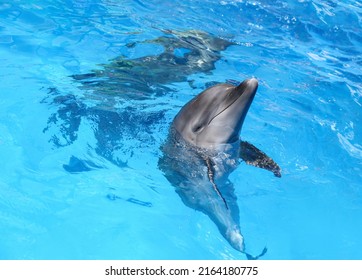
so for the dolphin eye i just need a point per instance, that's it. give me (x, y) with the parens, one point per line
(197, 128)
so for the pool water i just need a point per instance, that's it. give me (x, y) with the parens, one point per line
(88, 90)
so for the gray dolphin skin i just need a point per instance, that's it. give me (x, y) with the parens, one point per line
(204, 147)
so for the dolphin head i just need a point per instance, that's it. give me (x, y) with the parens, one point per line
(216, 115)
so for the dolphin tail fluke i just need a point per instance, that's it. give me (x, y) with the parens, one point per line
(251, 257)
(77, 165)
(236, 240)
(253, 156)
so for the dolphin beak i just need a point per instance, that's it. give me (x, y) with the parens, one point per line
(243, 97)
(248, 87)
(252, 83)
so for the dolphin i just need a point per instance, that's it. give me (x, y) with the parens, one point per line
(202, 149)
(184, 54)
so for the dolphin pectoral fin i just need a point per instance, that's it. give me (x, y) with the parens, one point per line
(253, 156)
(210, 174)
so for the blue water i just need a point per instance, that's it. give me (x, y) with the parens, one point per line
(78, 163)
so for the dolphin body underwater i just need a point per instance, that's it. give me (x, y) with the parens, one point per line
(204, 147)
(149, 76)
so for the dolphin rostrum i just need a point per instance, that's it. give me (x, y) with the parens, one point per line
(204, 147)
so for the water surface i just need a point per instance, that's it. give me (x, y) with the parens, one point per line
(79, 141)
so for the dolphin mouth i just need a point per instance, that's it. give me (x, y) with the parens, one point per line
(246, 89)
(253, 82)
